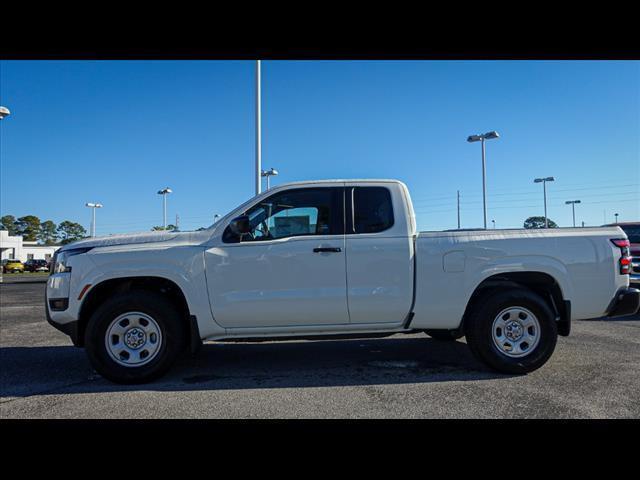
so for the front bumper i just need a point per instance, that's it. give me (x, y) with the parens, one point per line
(626, 302)
(70, 328)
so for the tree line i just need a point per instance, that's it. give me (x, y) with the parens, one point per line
(47, 232)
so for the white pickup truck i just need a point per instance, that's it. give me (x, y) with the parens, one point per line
(333, 258)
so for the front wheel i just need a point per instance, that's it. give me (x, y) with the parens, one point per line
(135, 337)
(512, 331)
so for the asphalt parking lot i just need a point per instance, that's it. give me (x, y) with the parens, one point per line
(593, 374)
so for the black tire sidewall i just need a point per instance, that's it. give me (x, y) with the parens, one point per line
(161, 310)
(479, 331)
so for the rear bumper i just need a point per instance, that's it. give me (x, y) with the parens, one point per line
(626, 302)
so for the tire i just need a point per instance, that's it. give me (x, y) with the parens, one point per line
(499, 319)
(120, 320)
(445, 335)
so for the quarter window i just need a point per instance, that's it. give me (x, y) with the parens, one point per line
(372, 210)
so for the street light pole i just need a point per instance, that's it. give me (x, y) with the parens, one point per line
(268, 173)
(482, 138)
(164, 192)
(93, 207)
(616, 215)
(494, 224)
(544, 189)
(4, 112)
(458, 209)
(258, 129)
(573, 209)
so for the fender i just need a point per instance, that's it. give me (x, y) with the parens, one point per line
(523, 263)
(184, 266)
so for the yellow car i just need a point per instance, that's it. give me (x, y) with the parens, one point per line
(12, 266)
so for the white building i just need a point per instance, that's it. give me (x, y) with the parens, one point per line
(16, 247)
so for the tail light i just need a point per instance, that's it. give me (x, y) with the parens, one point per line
(625, 260)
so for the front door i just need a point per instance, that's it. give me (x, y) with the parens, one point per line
(289, 270)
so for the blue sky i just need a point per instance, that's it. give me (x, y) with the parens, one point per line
(115, 132)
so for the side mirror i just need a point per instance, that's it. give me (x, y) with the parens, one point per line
(240, 225)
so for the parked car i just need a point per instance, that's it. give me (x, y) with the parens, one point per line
(319, 259)
(632, 230)
(36, 265)
(12, 265)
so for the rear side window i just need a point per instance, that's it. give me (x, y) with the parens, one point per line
(372, 209)
(633, 232)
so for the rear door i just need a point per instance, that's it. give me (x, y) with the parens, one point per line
(379, 255)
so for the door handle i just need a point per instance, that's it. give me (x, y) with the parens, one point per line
(327, 249)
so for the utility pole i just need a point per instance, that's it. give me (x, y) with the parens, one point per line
(458, 209)
(258, 171)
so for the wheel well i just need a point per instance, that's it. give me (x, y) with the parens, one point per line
(541, 283)
(104, 290)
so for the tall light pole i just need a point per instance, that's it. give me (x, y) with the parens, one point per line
(93, 207)
(258, 130)
(164, 192)
(4, 112)
(215, 218)
(482, 138)
(616, 215)
(268, 173)
(544, 188)
(573, 209)
(494, 224)
(458, 209)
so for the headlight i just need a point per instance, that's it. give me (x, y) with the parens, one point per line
(60, 259)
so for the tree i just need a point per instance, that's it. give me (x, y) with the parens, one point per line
(9, 224)
(29, 227)
(538, 222)
(169, 228)
(48, 234)
(70, 232)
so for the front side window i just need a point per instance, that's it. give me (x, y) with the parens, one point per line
(372, 210)
(296, 212)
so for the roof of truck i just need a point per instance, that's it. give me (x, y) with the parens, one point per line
(343, 180)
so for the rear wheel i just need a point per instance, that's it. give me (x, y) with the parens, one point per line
(512, 331)
(135, 337)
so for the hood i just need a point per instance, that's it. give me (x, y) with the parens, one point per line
(178, 238)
